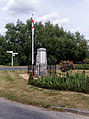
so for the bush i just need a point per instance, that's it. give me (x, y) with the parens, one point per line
(86, 61)
(77, 82)
(87, 86)
(82, 66)
(66, 65)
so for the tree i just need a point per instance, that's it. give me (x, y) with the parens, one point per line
(60, 44)
(18, 38)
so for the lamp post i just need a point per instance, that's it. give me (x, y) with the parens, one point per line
(13, 54)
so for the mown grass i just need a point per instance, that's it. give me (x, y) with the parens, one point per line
(15, 88)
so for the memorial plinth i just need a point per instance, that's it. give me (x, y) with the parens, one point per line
(41, 62)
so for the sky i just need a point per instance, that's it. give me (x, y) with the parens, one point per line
(72, 15)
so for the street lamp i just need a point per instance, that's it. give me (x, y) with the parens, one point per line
(13, 54)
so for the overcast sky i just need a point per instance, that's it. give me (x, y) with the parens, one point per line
(72, 15)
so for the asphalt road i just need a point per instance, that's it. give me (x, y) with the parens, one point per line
(22, 68)
(14, 110)
(13, 68)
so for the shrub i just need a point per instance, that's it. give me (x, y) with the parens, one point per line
(82, 66)
(87, 86)
(86, 61)
(66, 65)
(77, 82)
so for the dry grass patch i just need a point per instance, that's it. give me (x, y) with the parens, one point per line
(14, 87)
(73, 72)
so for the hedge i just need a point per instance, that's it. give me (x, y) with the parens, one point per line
(82, 66)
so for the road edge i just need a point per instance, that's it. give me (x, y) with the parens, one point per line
(72, 110)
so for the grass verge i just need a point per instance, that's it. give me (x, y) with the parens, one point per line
(15, 88)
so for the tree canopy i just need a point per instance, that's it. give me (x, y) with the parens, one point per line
(60, 44)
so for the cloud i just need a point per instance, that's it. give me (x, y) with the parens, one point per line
(21, 6)
(3, 0)
(65, 21)
(62, 22)
(55, 18)
(75, 29)
(82, 30)
(2, 31)
(50, 17)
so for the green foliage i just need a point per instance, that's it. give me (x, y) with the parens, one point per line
(60, 45)
(87, 86)
(52, 60)
(77, 82)
(66, 65)
(86, 61)
(82, 66)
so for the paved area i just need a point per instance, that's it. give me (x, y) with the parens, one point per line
(14, 110)
(13, 68)
(24, 76)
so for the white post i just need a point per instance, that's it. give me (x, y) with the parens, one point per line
(32, 50)
(32, 45)
(13, 54)
(12, 60)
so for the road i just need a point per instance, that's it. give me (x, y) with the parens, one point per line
(22, 68)
(14, 110)
(13, 68)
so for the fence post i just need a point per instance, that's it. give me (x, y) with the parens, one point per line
(55, 69)
(50, 69)
(33, 70)
(39, 69)
(28, 68)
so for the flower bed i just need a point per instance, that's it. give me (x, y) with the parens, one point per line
(77, 82)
